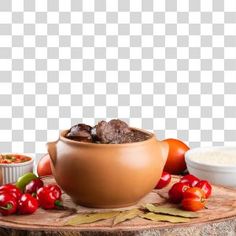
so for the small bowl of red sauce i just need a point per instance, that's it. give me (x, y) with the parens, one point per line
(12, 166)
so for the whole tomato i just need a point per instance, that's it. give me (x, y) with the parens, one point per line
(8, 204)
(12, 190)
(49, 196)
(193, 199)
(27, 204)
(164, 180)
(205, 186)
(176, 192)
(175, 163)
(190, 179)
(44, 167)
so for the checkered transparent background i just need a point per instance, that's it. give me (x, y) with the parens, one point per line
(167, 66)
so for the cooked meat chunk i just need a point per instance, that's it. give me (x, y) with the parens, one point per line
(112, 131)
(80, 132)
(134, 136)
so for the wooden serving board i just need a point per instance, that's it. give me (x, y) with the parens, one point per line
(218, 219)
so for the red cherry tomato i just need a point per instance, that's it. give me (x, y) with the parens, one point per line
(193, 199)
(49, 196)
(176, 192)
(189, 179)
(27, 204)
(164, 180)
(175, 163)
(205, 186)
(194, 192)
(8, 204)
(12, 190)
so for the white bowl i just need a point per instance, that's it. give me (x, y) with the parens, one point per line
(9, 173)
(215, 164)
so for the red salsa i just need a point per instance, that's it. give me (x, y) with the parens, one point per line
(13, 158)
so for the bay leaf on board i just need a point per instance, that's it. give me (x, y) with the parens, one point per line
(86, 218)
(159, 217)
(169, 210)
(127, 215)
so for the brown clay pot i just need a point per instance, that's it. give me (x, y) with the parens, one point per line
(107, 175)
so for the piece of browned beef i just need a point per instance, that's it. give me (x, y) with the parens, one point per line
(80, 132)
(111, 132)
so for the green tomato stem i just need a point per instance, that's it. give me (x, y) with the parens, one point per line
(58, 203)
(7, 207)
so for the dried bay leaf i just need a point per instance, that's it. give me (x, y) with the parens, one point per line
(170, 211)
(159, 217)
(127, 215)
(156, 213)
(87, 218)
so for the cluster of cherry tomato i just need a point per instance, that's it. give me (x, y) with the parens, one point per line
(190, 191)
(14, 200)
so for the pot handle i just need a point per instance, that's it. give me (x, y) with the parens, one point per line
(52, 151)
(164, 150)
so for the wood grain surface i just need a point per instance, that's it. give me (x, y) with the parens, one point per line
(218, 219)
